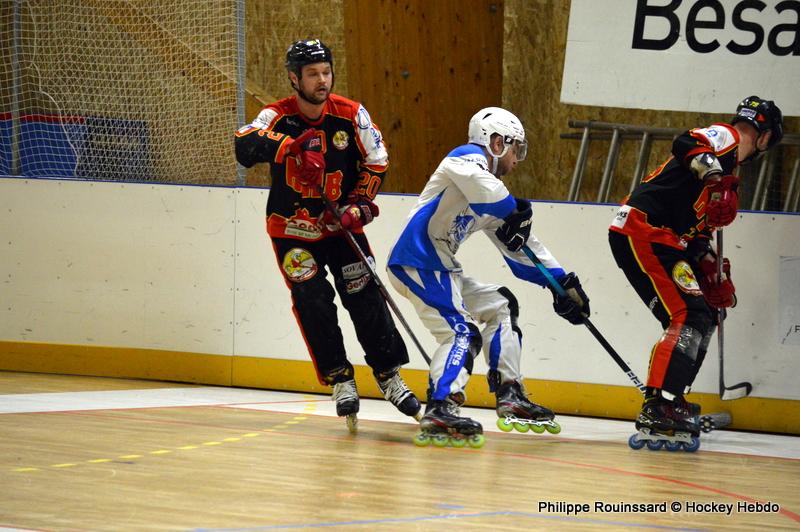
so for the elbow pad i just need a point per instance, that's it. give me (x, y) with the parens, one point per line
(705, 165)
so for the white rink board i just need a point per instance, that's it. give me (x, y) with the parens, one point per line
(190, 269)
(112, 264)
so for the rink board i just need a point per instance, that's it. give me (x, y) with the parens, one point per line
(180, 283)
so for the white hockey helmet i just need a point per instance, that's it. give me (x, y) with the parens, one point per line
(491, 120)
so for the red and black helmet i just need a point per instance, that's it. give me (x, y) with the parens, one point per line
(763, 115)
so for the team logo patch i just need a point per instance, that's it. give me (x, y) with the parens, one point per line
(299, 265)
(683, 276)
(340, 140)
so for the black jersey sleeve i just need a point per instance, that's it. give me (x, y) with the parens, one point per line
(257, 143)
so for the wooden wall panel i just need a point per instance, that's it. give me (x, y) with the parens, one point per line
(422, 69)
(270, 27)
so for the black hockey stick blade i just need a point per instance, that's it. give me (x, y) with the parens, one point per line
(743, 389)
(738, 391)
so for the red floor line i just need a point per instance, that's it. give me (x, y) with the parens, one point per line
(791, 515)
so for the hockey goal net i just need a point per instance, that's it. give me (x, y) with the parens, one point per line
(125, 90)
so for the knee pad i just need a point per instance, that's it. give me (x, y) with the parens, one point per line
(513, 308)
(687, 340)
(475, 344)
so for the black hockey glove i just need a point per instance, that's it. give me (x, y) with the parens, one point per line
(574, 307)
(515, 231)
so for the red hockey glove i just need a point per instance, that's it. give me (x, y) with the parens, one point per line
(717, 294)
(723, 201)
(353, 215)
(357, 215)
(307, 148)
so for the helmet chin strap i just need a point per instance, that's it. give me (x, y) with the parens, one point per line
(496, 158)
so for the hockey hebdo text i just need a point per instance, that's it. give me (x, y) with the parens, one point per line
(674, 507)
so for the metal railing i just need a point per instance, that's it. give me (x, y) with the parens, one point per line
(615, 134)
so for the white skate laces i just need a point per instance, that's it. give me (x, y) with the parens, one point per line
(344, 392)
(394, 389)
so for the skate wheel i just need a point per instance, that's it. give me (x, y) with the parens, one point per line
(440, 440)
(522, 427)
(537, 428)
(458, 441)
(505, 425)
(692, 447)
(673, 446)
(352, 423)
(422, 440)
(476, 441)
(555, 428)
(707, 424)
(635, 443)
(655, 445)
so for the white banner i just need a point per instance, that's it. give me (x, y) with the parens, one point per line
(683, 55)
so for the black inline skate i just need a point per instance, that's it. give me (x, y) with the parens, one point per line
(516, 412)
(397, 392)
(664, 423)
(441, 425)
(706, 422)
(345, 395)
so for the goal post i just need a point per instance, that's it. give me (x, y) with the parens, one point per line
(122, 90)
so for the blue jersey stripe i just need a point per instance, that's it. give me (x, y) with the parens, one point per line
(414, 247)
(498, 209)
(532, 273)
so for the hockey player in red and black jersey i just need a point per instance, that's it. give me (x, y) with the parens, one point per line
(318, 141)
(660, 238)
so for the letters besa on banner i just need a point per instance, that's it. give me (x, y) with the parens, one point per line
(682, 55)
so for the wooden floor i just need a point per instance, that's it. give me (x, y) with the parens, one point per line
(79, 453)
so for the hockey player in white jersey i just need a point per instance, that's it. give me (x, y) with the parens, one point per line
(465, 195)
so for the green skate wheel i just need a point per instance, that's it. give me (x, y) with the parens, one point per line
(458, 441)
(538, 429)
(422, 440)
(440, 440)
(504, 424)
(476, 441)
(555, 428)
(522, 427)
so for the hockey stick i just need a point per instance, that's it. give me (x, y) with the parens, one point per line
(560, 290)
(374, 274)
(742, 389)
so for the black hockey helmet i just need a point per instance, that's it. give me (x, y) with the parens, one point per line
(763, 115)
(307, 52)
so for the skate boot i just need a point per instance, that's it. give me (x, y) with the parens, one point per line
(515, 411)
(396, 392)
(663, 423)
(345, 395)
(442, 427)
(455, 400)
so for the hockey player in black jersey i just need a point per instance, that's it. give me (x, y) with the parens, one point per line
(660, 239)
(317, 142)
